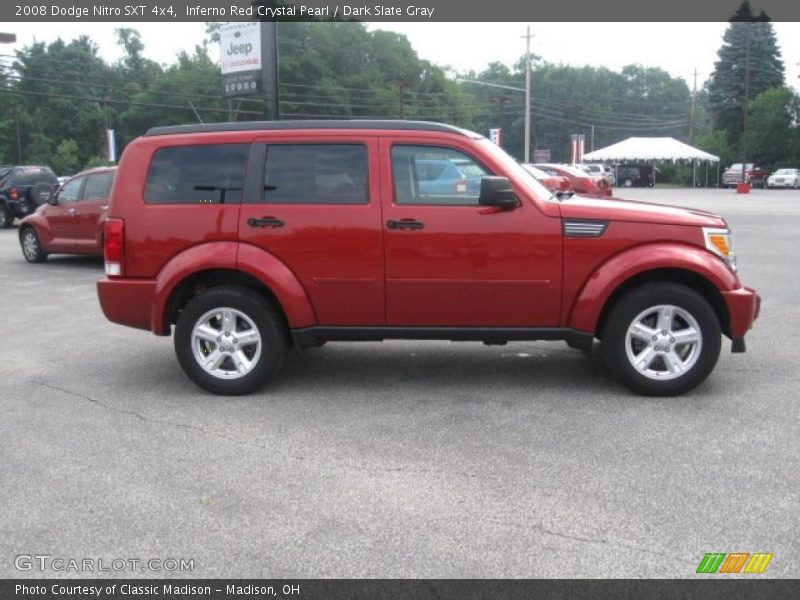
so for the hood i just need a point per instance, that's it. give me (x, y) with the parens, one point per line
(615, 209)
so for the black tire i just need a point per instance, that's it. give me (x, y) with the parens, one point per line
(41, 193)
(639, 300)
(6, 217)
(265, 318)
(31, 245)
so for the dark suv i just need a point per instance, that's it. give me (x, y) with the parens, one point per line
(248, 238)
(23, 189)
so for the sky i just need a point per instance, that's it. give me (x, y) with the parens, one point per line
(678, 48)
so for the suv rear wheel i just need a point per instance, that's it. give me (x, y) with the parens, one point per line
(229, 340)
(662, 339)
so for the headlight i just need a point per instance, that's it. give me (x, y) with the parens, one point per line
(720, 242)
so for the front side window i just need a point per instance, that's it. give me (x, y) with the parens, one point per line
(202, 174)
(435, 175)
(71, 190)
(98, 186)
(316, 174)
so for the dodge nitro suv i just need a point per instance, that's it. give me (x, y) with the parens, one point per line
(247, 239)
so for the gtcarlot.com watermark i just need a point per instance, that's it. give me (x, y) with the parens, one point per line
(61, 564)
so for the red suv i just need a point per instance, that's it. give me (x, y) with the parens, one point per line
(250, 238)
(72, 220)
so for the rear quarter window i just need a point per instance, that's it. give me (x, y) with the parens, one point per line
(197, 174)
(98, 186)
(33, 175)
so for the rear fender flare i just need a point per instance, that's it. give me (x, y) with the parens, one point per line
(277, 276)
(212, 255)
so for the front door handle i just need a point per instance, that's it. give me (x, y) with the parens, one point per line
(71, 211)
(265, 222)
(405, 224)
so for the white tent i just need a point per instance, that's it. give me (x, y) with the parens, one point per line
(644, 149)
(649, 148)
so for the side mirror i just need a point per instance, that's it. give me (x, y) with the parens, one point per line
(496, 191)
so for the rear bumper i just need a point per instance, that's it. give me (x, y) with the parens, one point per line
(21, 209)
(744, 305)
(128, 301)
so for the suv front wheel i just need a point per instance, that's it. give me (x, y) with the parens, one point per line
(662, 339)
(229, 340)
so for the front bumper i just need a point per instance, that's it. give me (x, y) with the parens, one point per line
(128, 301)
(744, 306)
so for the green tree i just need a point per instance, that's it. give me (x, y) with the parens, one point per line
(65, 160)
(750, 56)
(773, 136)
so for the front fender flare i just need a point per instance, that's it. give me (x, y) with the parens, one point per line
(594, 295)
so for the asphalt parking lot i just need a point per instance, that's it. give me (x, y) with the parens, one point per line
(401, 459)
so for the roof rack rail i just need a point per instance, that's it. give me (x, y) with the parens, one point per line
(308, 124)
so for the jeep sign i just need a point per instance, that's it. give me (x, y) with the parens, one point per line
(240, 58)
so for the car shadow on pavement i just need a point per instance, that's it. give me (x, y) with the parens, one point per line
(71, 261)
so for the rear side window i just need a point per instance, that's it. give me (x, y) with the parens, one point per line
(98, 186)
(202, 174)
(316, 174)
(33, 175)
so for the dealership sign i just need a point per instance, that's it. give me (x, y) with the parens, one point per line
(240, 58)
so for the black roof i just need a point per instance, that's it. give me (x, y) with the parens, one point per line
(308, 124)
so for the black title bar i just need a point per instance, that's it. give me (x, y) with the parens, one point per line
(389, 10)
(729, 588)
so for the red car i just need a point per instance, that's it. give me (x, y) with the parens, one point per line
(72, 221)
(246, 239)
(554, 183)
(580, 181)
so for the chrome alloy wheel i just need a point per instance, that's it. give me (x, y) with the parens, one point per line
(226, 343)
(30, 245)
(663, 342)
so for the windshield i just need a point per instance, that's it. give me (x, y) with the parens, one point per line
(514, 167)
(785, 172)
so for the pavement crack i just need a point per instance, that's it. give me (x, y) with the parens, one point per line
(146, 419)
(608, 542)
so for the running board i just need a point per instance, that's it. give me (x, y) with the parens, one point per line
(309, 337)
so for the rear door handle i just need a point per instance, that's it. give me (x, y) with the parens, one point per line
(405, 224)
(265, 222)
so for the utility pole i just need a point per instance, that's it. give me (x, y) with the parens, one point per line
(528, 37)
(746, 101)
(692, 122)
(19, 137)
(591, 140)
(402, 90)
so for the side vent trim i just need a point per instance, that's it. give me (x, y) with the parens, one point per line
(585, 228)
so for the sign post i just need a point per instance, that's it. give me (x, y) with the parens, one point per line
(269, 68)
